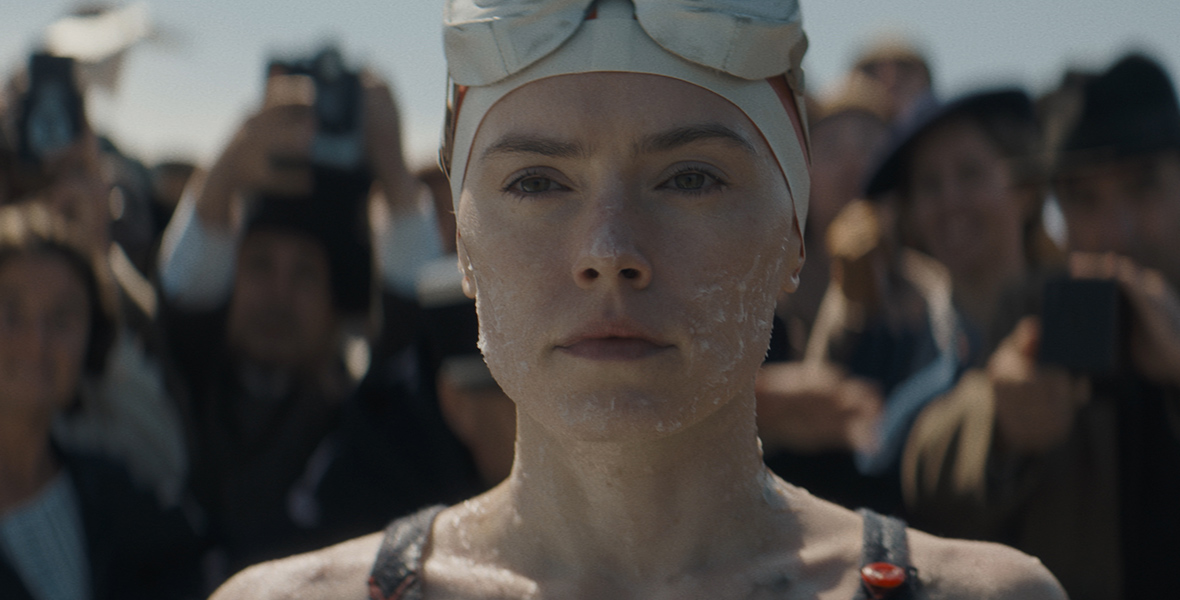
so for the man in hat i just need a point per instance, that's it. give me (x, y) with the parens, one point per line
(1082, 468)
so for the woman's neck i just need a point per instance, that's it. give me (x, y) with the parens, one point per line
(642, 511)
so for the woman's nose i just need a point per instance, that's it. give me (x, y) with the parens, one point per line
(609, 253)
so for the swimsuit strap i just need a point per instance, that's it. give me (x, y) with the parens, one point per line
(886, 571)
(395, 574)
(399, 561)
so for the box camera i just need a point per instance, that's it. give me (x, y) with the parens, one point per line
(339, 141)
(51, 114)
(1082, 326)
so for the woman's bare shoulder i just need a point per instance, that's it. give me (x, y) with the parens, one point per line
(965, 569)
(337, 572)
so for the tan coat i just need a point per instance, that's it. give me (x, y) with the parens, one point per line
(1061, 507)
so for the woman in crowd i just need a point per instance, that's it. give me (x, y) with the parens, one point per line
(627, 213)
(972, 187)
(71, 525)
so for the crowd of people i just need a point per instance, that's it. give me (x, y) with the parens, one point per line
(204, 367)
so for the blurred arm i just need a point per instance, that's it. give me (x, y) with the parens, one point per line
(197, 259)
(406, 241)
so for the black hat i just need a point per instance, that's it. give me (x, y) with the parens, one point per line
(1009, 104)
(336, 216)
(1129, 110)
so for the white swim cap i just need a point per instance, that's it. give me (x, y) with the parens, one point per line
(746, 51)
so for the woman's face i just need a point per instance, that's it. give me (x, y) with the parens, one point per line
(963, 206)
(625, 236)
(44, 331)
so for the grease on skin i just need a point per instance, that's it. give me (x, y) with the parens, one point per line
(714, 271)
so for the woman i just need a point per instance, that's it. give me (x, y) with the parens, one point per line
(972, 186)
(625, 221)
(71, 526)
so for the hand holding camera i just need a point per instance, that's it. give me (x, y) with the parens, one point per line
(323, 131)
(383, 145)
(1035, 404)
(58, 153)
(1111, 315)
(815, 406)
(1152, 331)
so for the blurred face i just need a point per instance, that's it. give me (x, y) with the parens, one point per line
(904, 79)
(1130, 207)
(44, 332)
(842, 148)
(625, 236)
(962, 204)
(281, 312)
(79, 190)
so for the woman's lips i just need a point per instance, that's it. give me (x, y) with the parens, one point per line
(613, 348)
(615, 339)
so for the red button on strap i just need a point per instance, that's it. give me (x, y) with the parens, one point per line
(882, 576)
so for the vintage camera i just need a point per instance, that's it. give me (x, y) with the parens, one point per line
(1083, 325)
(340, 173)
(51, 116)
(340, 141)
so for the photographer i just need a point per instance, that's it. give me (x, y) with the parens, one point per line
(55, 158)
(1077, 465)
(266, 270)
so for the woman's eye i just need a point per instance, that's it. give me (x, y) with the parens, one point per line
(689, 181)
(534, 184)
(692, 181)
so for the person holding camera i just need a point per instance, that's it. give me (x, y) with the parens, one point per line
(73, 523)
(52, 155)
(1067, 444)
(267, 273)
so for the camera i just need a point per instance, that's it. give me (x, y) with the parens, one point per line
(340, 172)
(51, 116)
(1082, 326)
(339, 140)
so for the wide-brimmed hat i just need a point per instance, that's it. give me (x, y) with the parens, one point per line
(1009, 104)
(1129, 110)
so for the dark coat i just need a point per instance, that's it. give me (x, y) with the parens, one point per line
(1099, 510)
(136, 549)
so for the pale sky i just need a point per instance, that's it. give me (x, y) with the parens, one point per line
(184, 96)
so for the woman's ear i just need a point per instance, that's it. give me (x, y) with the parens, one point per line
(795, 244)
(469, 287)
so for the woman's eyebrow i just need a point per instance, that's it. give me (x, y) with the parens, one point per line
(681, 136)
(530, 144)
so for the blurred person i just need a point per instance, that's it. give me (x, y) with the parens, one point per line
(883, 335)
(474, 406)
(129, 203)
(849, 130)
(267, 269)
(897, 326)
(901, 68)
(434, 178)
(169, 179)
(815, 410)
(1080, 464)
(482, 416)
(626, 220)
(132, 415)
(72, 524)
(966, 185)
(970, 182)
